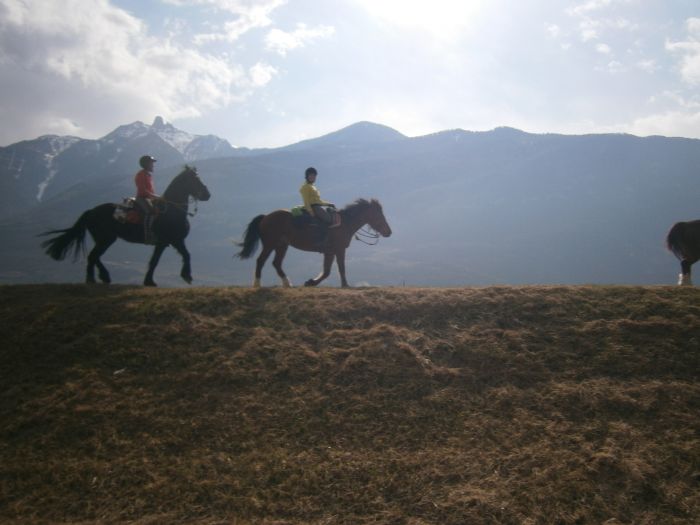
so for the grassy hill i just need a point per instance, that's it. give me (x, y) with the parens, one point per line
(498, 405)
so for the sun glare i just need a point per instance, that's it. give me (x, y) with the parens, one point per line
(439, 17)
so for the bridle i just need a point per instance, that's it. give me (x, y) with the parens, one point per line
(367, 234)
(182, 207)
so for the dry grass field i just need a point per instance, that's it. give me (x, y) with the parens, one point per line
(498, 405)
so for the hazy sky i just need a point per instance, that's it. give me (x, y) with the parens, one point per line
(273, 72)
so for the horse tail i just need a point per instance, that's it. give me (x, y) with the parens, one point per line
(251, 238)
(58, 247)
(674, 239)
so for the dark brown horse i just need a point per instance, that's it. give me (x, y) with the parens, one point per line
(684, 241)
(277, 231)
(170, 228)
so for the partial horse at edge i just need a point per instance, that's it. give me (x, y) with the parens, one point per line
(684, 242)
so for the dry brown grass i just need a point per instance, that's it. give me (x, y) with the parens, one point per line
(502, 405)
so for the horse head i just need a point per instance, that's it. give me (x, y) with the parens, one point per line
(186, 184)
(194, 185)
(375, 218)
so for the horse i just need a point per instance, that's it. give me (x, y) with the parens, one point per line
(684, 241)
(277, 232)
(170, 227)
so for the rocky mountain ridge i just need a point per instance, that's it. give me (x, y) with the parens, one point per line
(32, 170)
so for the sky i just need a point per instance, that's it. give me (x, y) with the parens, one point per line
(267, 73)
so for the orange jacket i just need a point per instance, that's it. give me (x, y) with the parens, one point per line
(144, 185)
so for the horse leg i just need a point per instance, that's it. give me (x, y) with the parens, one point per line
(94, 260)
(340, 258)
(280, 252)
(157, 252)
(684, 278)
(327, 263)
(260, 262)
(186, 272)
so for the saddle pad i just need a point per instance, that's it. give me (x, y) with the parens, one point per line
(298, 211)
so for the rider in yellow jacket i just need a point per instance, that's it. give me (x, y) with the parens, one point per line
(312, 198)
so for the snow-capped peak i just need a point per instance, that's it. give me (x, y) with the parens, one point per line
(128, 131)
(176, 138)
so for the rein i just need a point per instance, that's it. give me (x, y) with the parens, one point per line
(182, 207)
(367, 235)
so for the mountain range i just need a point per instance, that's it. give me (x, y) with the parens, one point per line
(32, 171)
(467, 208)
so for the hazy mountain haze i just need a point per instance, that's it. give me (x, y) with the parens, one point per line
(466, 208)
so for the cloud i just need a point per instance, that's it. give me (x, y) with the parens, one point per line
(649, 65)
(591, 5)
(282, 42)
(247, 15)
(589, 29)
(81, 74)
(591, 23)
(103, 47)
(255, 11)
(690, 51)
(553, 30)
(670, 124)
(261, 74)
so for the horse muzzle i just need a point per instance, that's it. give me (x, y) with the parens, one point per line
(204, 195)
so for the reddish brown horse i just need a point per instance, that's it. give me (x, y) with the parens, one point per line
(684, 241)
(277, 231)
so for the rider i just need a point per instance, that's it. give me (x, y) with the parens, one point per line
(145, 192)
(313, 203)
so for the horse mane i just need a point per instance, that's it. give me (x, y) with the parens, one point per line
(357, 207)
(187, 168)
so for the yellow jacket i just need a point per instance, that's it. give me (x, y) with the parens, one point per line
(311, 196)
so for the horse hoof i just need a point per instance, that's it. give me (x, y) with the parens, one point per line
(187, 279)
(286, 283)
(684, 280)
(310, 282)
(150, 283)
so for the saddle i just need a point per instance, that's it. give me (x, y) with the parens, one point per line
(128, 212)
(301, 218)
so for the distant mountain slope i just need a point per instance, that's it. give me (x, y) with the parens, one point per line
(356, 135)
(495, 405)
(466, 208)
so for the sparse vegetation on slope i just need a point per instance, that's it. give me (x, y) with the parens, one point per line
(502, 405)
